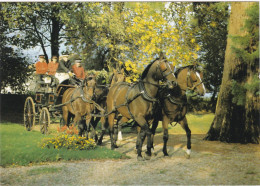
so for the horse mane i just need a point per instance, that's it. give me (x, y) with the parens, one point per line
(110, 78)
(147, 69)
(181, 68)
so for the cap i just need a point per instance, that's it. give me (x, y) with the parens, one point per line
(65, 53)
(41, 56)
(54, 57)
(78, 60)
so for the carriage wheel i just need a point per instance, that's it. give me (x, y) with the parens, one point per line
(44, 120)
(29, 113)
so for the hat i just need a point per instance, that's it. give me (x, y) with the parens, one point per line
(65, 53)
(41, 56)
(78, 60)
(54, 57)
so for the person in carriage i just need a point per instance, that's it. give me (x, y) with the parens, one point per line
(41, 69)
(72, 66)
(52, 68)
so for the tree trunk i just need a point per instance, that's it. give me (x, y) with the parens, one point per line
(55, 32)
(232, 122)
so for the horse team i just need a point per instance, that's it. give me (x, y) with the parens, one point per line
(160, 90)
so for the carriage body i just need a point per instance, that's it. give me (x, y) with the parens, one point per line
(43, 107)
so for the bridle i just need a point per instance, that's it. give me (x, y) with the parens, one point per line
(163, 71)
(189, 78)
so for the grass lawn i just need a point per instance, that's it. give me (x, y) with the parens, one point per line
(20, 147)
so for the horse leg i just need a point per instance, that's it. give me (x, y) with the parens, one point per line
(145, 132)
(88, 125)
(111, 130)
(65, 115)
(103, 121)
(165, 134)
(81, 125)
(184, 125)
(154, 126)
(120, 123)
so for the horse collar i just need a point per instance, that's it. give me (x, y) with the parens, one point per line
(144, 93)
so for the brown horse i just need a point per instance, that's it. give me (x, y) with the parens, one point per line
(79, 103)
(173, 103)
(136, 101)
(100, 96)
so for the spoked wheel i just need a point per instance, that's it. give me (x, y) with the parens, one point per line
(29, 113)
(44, 120)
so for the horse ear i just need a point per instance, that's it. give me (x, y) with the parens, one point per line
(86, 73)
(122, 71)
(201, 75)
(163, 66)
(96, 74)
(114, 71)
(172, 67)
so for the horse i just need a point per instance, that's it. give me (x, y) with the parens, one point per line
(78, 101)
(172, 105)
(136, 101)
(101, 95)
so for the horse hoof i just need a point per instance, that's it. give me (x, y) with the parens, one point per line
(187, 156)
(166, 155)
(147, 156)
(99, 143)
(140, 158)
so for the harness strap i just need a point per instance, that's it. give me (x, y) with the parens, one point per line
(144, 93)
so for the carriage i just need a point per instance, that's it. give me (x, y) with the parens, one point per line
(45, 105)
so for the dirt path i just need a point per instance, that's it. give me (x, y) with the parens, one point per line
(210, 163)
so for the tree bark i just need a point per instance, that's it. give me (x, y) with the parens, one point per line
(232, 122)
(55, 32)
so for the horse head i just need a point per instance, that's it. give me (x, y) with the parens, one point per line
(166, 73)
(190, 78)
(118, 76)
(91, 80)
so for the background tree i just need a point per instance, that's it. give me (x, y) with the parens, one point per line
(13, 69)
(34, 24)
(210, 25)
(237, 112)
(131, 34)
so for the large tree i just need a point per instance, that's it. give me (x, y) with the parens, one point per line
(35, 24)
(237, 112)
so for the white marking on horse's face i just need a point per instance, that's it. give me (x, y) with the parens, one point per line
(204, 89)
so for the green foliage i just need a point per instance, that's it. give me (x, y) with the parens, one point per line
(14, 70)
(253, 87)
(110, 35)
(20, 147)
(34, 24)
(247, 51)
(210, 25)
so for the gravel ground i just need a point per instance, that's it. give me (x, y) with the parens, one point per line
(210, 163)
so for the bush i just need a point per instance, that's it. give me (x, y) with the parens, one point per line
(68, 138)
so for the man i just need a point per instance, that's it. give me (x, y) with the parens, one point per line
(41, 69)
(52, 68)
(65, 64)
(78, 70)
